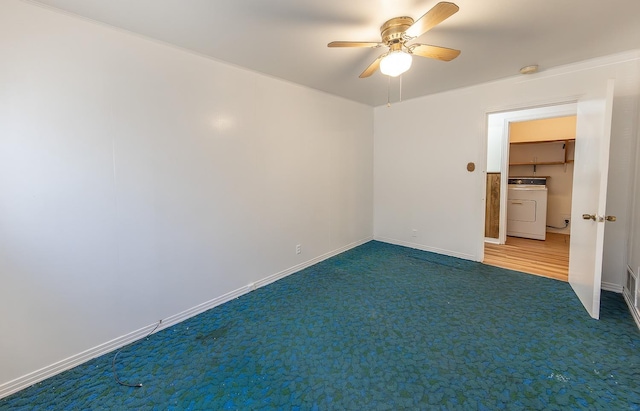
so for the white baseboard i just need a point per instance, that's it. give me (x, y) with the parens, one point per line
(34, 377)
(302, 266)
(425, 248)
(27, 380)
(616, 288)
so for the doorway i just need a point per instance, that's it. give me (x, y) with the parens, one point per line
(530, 143)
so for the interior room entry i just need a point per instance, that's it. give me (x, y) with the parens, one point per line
(539, 190)
(588, 210)
(498, 159)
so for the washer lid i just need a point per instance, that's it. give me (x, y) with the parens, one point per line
(525, 187)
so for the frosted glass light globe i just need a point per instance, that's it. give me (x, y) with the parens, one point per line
(395, 63)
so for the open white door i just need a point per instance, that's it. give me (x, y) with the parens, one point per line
(593, 134)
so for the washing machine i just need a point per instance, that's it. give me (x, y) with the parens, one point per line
(527, 207)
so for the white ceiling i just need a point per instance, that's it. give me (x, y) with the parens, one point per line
(288, 38)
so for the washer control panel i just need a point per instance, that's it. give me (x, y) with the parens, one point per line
(529, 181)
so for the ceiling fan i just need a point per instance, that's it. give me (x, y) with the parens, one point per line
(397, 32)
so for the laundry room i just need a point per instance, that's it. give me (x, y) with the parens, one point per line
(534, 220)
(544, 149)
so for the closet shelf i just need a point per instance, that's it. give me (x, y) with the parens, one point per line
(534, 153)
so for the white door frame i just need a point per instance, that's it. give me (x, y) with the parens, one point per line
(560, 109)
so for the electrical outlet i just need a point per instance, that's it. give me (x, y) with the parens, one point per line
(298, 249)
(414, 233)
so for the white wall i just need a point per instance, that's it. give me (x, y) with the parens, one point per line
(624, 138)
(495, 131)
(138, 180)
(420, 176)
(634, 212)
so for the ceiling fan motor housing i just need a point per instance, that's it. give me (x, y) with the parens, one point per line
(393, 30)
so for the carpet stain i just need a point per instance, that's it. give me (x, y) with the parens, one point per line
(214, 335)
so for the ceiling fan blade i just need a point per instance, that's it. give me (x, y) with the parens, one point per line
(371, 44)
(372, 67)
(433, 52)
(439, 13)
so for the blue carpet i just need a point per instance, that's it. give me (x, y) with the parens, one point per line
(379, 327)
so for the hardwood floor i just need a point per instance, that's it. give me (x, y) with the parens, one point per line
(548, 258)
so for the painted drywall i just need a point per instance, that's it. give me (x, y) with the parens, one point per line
(420, 176)
(495, 130)
(548, 129)
(634, 211)
(138, 180)
(624, 137)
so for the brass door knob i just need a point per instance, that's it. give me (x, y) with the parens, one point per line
(611, 218)
(589, 217)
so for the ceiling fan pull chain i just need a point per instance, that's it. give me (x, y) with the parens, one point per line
(400, 88)
(389, 92)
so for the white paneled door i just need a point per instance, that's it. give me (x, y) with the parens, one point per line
(589, 195)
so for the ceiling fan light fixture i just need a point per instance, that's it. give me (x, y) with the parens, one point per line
(395, 63)
(395, 33)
